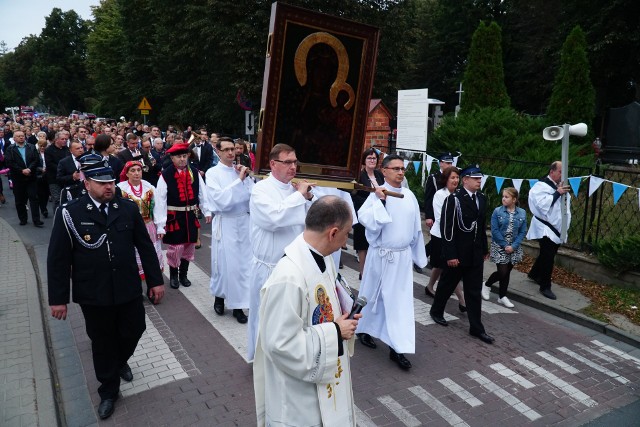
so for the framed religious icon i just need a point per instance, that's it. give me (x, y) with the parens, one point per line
(317, 86)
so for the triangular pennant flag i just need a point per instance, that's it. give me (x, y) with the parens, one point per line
(575, 184)
(499, 182)
(428, 163)
(618, 190)
(455, 161)
(416, 165)
(406, 163)
(594, 184)
(483, 181)
(377, 151)
(532, 182)
(517, 183)
(384, 155)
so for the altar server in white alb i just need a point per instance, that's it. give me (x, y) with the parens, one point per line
(545, 203)
(278, 209)
(393, 230)
(229, 189)
(301, 372)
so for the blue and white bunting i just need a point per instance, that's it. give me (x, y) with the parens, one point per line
(517, 183)
(594, 183)
(499, 182)
(416, 165)
(532, 182)
(575, 184)
(618, 191)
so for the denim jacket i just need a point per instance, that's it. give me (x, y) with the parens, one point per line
(500, 222)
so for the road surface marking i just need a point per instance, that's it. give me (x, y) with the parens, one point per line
(595, 353)
(620, 353)
(511, 375)
(561, 384)
(446, 413)
(594, 365)
(396, 409)
(510, 399)
(362, 419)
(558, 362)
(460, 392)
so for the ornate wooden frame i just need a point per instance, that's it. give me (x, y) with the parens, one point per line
(307, 51)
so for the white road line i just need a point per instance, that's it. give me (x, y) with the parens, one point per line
(447, 414)
(362, 419)
(595, 353)
(422, 316)
(200, 297)
(594, 365)
(617, 352)
(511, 375)
(396, 409)
(460, 392)
(510, 399)
(561, 384)
(558, 362)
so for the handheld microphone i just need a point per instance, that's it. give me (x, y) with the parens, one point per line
(357, 306)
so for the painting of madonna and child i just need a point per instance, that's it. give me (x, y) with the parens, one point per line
(317, 85)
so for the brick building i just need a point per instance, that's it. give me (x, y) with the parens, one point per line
(378, 129)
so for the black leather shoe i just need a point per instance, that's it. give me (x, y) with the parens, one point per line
(38, 224)
(462, 308)
(106, 408)
(23, 222)
(417, 269)
(239, 315)
(218, 306)
(173, 278)
(367, 341)
(125, 373)
(439, 320)
(182, 276)
(429, 293)
(45, 214)
(483, 337)
(548, 293)
(399, 358)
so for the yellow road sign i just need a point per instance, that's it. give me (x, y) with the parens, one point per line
(144, 112)
(144, 105)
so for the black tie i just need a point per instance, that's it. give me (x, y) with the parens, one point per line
(103, 210)
(473, 197)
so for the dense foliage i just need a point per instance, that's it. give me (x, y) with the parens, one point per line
(190, 58)
(620, 254)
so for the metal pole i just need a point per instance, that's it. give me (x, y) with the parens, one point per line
(565, 179)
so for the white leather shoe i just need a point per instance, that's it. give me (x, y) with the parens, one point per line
(505, 301)
(486, 291)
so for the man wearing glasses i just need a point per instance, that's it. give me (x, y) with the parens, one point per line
(393, 229)
(278, 210)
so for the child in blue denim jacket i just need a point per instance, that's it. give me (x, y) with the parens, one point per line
(508, 228)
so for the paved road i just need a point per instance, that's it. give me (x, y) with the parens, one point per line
(190, 366)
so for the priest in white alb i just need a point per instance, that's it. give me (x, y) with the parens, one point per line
(301, 371)
(278, 209)
(393, 230)
(229, 189)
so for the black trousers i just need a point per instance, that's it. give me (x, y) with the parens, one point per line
(23, 191)
(43, 194)
(543, 266)
(114, 332)
(472, 284)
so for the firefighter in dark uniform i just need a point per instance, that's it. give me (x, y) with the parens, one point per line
(464, 248)
(179, 197)
(92, 245)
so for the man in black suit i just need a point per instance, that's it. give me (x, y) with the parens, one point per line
(23, 159)
(132, 152)
(464, 247)
(203, 151)
(93, 244)
(53, 154)
(68, 173)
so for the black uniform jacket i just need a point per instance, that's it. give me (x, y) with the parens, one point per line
(432, 184)
(107, 274)
(468, 247)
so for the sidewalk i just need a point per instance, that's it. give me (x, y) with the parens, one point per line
(26, 394)
(28, 371)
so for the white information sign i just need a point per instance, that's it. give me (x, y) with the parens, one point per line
(413, 110)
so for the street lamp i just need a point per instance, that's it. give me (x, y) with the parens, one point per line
(554, 133)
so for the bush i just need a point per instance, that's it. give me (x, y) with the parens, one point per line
(620, 254)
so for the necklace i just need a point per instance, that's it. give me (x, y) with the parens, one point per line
(137, 193)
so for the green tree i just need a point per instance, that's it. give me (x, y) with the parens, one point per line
(484, 77)
(15, 71)
(573, 97)
(104, 59)
(59, 69)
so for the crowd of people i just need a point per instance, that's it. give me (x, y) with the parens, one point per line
(120, 191)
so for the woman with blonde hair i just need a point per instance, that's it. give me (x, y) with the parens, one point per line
(508, 228)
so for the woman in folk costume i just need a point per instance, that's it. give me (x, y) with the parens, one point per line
(136, 189)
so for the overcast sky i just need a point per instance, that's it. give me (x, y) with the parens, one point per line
(21, 18)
